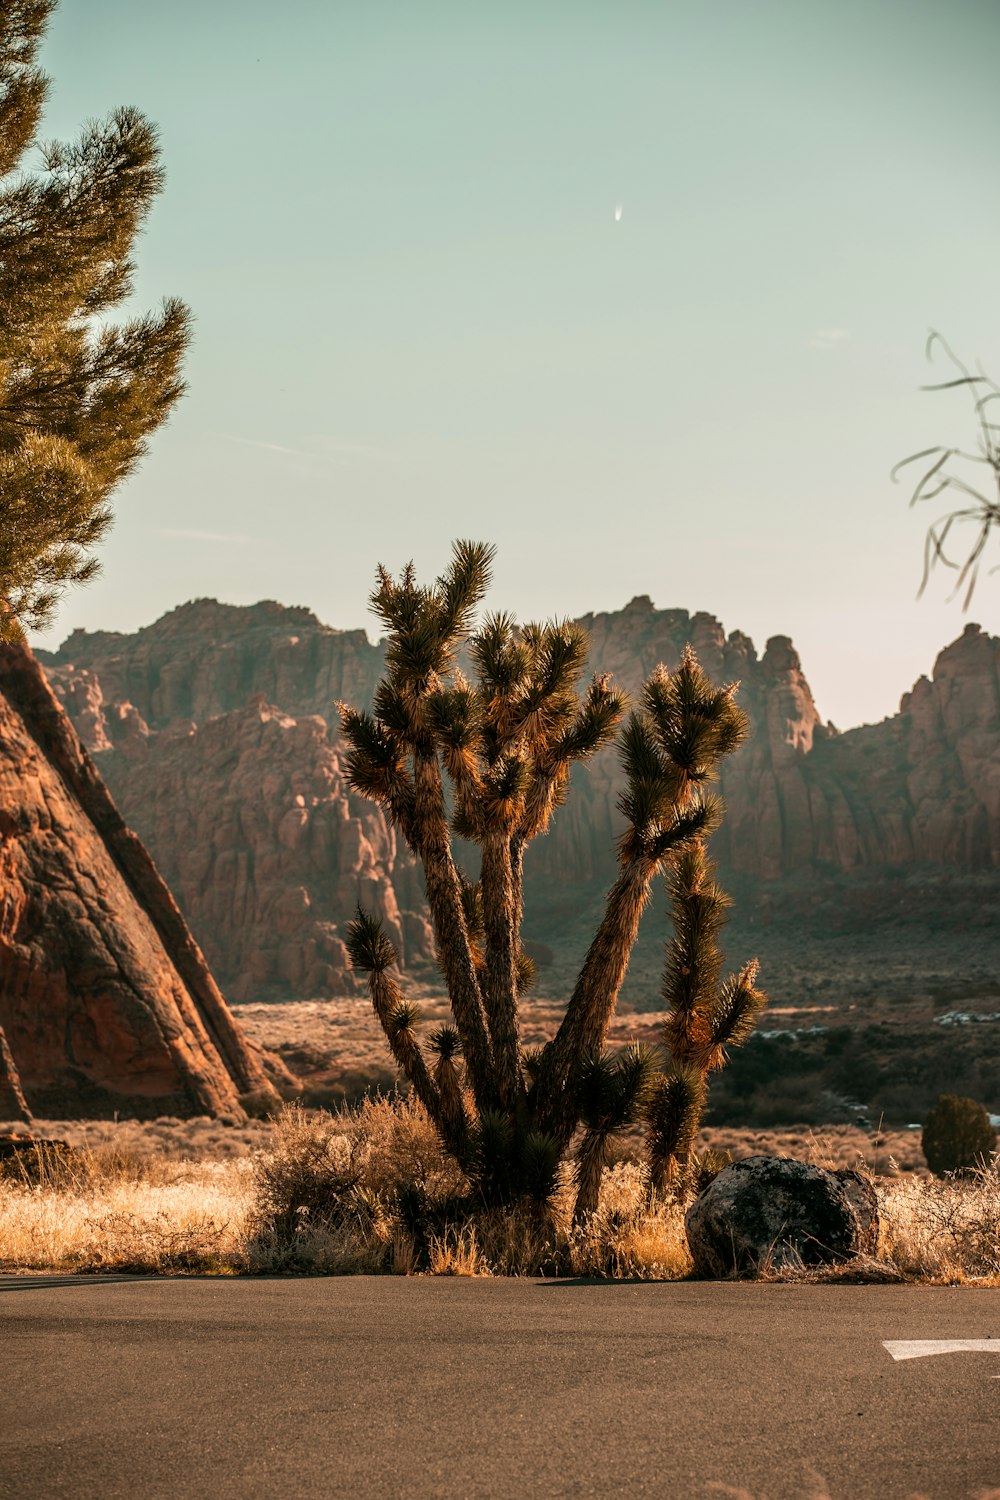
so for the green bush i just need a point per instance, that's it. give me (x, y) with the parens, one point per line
(957, 1135)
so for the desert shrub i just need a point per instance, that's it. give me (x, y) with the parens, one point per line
(306, 1174)
(633, 1234)
(957, 1135)
(706, 1166)
(364, 1189)
(942, 1231)
(371, 1189)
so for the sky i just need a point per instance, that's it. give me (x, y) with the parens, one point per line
(419, 314)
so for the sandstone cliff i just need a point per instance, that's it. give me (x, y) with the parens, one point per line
(245, 806)
(264, 845)
(106, 1002)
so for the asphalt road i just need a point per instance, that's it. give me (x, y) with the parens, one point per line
(129, 1389)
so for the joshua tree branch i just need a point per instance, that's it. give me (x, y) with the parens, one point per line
(501, 920)
(444, 897)
(588, 1014)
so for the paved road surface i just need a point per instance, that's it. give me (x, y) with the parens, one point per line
(128, 1389)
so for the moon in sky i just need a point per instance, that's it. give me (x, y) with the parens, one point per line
(618, 213)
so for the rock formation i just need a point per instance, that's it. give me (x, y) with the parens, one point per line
(106, 1002)
(263, 843)
(245, 807)
(13, 1105)
(205, 658)
(768, 1211)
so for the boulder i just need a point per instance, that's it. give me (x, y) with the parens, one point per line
(768, 1211)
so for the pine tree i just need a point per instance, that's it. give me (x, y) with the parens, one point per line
(487, 758)
(79, 396)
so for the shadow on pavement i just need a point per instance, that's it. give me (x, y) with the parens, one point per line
(35, 1283)
(571, 1282)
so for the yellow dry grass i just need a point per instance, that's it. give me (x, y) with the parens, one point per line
(102, 1211)
(369, 1189)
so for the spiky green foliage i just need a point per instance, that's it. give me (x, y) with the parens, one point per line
(494, 1144)
(79, 395)
(676, 1101)
(612, 1090)
(402, 1020)
(538, 1165)
(669, 748)
(611, 1094)
(695, 723)
(446, 1042)
(733, 1016)
(704, 1017)
(488, 757)
(531, 1062)
(693, 960)
(369, 948)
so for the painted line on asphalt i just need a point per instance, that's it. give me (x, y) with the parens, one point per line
(920, 1348)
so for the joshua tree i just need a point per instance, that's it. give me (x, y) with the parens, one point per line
(487, 758)
(78, 396)
(958, 472)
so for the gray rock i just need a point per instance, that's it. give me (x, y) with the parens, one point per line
(773, 1210)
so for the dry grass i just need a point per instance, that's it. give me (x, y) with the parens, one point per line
(106, 1209)
(369, 1189)
(198, 1139)
(943, 1231)
(884, 1152)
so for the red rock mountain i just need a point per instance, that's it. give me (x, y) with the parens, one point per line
(106, 1002)
(212, 727)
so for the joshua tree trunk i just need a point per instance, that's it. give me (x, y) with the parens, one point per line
(445, 901)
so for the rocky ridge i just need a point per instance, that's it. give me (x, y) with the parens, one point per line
(213, 729)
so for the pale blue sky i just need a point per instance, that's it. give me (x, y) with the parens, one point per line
(417, 317)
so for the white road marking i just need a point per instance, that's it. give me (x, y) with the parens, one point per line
(918, 1348)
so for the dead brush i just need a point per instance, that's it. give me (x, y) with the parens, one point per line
(360, 1190)
(92, 1215)
(634, 1234)
(303, 1192)
(160, 1244)
(59, 1167)
(943, 1230)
